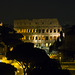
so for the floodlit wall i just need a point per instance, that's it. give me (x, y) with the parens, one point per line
(41, 32)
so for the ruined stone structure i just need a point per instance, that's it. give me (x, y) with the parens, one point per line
(41, 32)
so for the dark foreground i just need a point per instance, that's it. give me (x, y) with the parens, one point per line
(72, 72)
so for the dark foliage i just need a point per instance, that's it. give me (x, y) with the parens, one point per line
(7, 69)
(9, 36)
(39, 61)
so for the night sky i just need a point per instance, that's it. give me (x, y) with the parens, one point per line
(64, 10)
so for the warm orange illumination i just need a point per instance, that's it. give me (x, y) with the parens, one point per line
(43, 38)
(39, 38)
(18, 30)
(45, 30)
(1, 24)
(26, 31)
(32, 30)
(36, 37)
(4, 59)
(22, 31)
(29, 37)
(50, 44)
(15, 63)
(46, 44)
(29, 30)
(35, 30)
(63, 34)
(24, 38)
(32, 37)
(11, 48)
(50, 38)
(53, 56)
(28, 65)
(54, 38)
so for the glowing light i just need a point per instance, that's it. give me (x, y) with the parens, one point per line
(1, 24)
(32, 37)
(15, 64)
(39, 38)
(59, 40)
(24, 30)
(17, 71)
(28, 65)
(50, 44)
(50, 38)
(32, 30)
(35, 30)
(29, 37)
(0, 60)
(24, 37)
(29, 30)
(54, 38)
(43, 38)
(63, 34)
(11, 48)
(20, 66)
(46, 44)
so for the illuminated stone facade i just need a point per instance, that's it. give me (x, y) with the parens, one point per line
(41, 32)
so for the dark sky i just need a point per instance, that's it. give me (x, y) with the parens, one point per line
(64, 10)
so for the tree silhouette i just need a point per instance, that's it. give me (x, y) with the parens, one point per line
(7, 69)
(9, 36)
(22, 53)
(37, 58)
